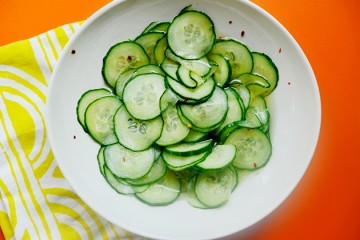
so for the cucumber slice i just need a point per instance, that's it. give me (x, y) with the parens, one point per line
(213, 188)
(159, 50)
(222, 72)
(194, 136)
(135, 134)
(101, 160)
(148, 42)
(163, 192)
(191, 35)
(84, 101)
(243, 92)
(256, 84)
(121, 57)
(258, 108)
(200, 93)
(118, 185)
(220, 156)
(168, 99)
(160, 27)
(99, 119)
(122, 80)
(185, 121)
(124, 163)
(125, 77)
(179, 163)
(253, 148)
(183, 74)
(235, 112)
(149, 27)
(209, 113)
(170, 68)
(142, 95)
(264, 66)
(189, 149)
(174, 130)
(237, 53)
(151, 68)
(250, 79)
(200, 66)
(157, 171)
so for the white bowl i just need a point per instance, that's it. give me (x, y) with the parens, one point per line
(294, 105)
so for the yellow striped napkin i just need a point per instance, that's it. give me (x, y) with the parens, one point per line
(36, 201)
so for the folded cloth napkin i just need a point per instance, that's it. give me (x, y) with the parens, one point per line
(36, 201)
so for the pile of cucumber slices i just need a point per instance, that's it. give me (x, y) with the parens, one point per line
(184, 113)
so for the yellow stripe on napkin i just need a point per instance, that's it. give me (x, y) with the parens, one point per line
(36, 201)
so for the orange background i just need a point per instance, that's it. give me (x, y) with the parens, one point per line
(326, 203)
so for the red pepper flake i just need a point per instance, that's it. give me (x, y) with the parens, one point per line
(230, 22)
(255, 165)
(129, 58)
(280, 50)
(74, 137)
(73, 51)
(242, 33)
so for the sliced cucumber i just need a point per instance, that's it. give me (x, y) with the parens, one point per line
(135, 134)
(148, 42)
(122, 80)
(185, 121)
(222, 72)
(149, 27)
(101, 160)
(237, 53)
(170, 68)
(84, 101)
(220, 156)
(264, 66)
(194, 136)
(213, 188)
(253, 148)
(183, 74)
(258, 108)
(250, 79)
(174, 130)
(151, 68)
(121, 57)
(186, 113)
(209, 113)
(200, 66)
(159, 50)
(99, 119)
(243, 92)
(191, 35)
(168, 99)
(256, 84)
(160, 27)
(189, 149)
(178, 163)
(118, 185)
(142, 95)
(163, 192)
(124, 163)
(235, 112)
(157, 171)
(200, 93)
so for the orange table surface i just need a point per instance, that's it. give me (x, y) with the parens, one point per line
(326, 203)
